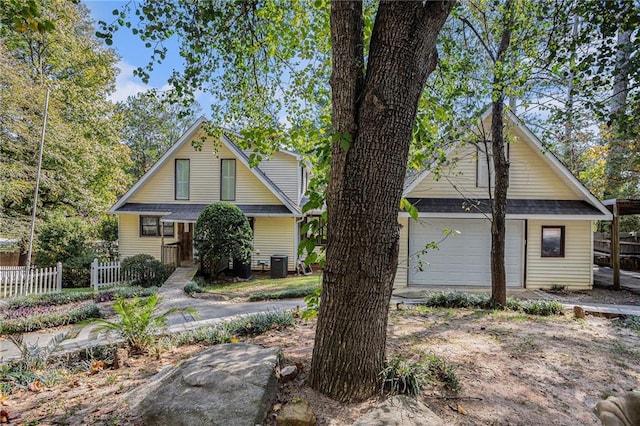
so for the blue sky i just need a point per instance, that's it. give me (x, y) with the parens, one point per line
(133, 54)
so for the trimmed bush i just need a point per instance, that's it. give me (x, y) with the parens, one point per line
(192, 287)
(222, 232)
(145, 270)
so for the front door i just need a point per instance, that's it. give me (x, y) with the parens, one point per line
(185, 236)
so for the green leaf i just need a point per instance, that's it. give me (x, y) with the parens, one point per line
(409, 208)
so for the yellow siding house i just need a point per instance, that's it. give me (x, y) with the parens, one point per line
(550, 217)
(158, 214)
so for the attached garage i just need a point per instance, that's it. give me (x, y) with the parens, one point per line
(464, 257)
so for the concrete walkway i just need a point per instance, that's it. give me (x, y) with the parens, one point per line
(211, 312)
(603, 277)
(173, 296)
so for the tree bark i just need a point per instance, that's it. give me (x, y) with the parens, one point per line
(501, 166)
(373, 117)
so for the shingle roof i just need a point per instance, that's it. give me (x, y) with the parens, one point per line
(458, 205)
(190, 212)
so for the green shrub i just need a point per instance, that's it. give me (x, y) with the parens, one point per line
(76, 271)
(313, 304)
(192, 287)
(144, 270)
(541, 307)
(223, 231)
(443, 372)
(33, 320)
(67, 240)
(224, 332)
(139, 322)
(484, 301)
(403, 376)
(284, 294)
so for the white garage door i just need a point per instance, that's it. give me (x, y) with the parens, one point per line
(463, 258)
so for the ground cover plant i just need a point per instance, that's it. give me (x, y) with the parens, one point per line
(21, 320)
(37, 312)
(64, 297)
(484, 301)
(508, 366)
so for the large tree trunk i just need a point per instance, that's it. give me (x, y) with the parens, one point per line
(373, 117)
(499, 205)
(500, 164)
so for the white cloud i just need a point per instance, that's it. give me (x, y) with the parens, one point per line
(126, 84)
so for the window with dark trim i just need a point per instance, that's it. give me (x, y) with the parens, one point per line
(227, 180)
(150, 227)
(552, 241)
(182, 179)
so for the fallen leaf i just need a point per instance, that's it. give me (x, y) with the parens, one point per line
(97, 367)
(461, 410)
(234, 339)
(35, 386)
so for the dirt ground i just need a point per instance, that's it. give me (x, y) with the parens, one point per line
(514, 369)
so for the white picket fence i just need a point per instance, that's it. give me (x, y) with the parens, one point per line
(18, 281)
(107, 274)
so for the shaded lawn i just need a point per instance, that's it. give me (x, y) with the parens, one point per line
(265, 285)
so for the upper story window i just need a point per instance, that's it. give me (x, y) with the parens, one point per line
(484, 168)
(228, 180)
(553, 241)
(150, 227)
(182, 179)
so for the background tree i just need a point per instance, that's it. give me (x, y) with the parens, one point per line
(269, 60)
(595, 59)
(83, 159)
(222, 232)
(150, 125)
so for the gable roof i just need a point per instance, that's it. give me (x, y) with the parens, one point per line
(412, 181)
(237, 152)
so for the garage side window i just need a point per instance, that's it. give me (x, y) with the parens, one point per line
(553, 241)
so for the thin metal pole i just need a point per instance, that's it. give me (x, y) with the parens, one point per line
(35, 196)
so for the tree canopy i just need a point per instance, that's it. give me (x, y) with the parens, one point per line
(150, 125)
(83, 161)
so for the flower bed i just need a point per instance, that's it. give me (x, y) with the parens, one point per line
(61, 298)
(31, 318)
